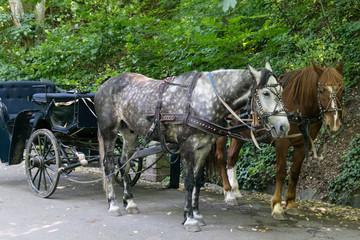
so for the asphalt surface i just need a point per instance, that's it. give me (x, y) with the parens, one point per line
(79, 211)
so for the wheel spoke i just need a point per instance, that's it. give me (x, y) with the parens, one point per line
(49, 159)
(40, 143)
(50, 167)
(39, 183)
(34, 178)
(34, 148)
(49, 177)
(47, 147)
(43, 173)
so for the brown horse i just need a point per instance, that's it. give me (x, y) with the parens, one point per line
(311, 95)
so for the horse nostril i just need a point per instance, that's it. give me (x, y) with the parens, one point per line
(282, 128)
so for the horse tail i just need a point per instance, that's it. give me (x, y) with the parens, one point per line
(211, 165)
(102, 158)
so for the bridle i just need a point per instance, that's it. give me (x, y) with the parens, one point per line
(256, 106)
(333, 98)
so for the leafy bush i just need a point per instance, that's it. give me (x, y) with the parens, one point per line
(256, 174)
(85, 42)
(347, 183)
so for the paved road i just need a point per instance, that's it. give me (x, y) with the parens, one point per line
(79, 211)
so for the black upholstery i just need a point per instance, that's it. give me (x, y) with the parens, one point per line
(71, 110)
(17, 95)
(61, 97)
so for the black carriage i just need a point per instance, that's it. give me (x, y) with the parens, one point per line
(52, 131)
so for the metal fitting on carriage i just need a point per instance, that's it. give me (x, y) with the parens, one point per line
(82, 158)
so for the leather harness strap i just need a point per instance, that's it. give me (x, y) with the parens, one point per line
(304, 122)
(186, 119)
(188, 100)
(158, 115)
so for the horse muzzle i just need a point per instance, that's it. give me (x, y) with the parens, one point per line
(279, 126)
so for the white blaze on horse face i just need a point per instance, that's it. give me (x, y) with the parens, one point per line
(332, 122)
(334, 105)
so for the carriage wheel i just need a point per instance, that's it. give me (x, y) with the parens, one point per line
(42, 161)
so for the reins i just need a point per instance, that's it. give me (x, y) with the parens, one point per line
(225, 104)
(255, 103)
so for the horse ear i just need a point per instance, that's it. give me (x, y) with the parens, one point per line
(256, 74)
(317, 69)
(339, 68)
(268, 67)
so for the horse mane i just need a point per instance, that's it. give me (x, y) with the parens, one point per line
(331, 77)
(300, 86)
(265, 75)
(186, 75)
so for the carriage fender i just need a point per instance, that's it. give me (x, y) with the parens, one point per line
(21, 132)
(4, 134)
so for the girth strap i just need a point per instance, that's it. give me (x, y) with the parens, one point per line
(188, 100)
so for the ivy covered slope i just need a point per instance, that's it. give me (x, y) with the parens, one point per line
(85, 42)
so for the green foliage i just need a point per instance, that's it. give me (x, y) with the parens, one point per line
(256, 174)
(347, 183)
(87, 41)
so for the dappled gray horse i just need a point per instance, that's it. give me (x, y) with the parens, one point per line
(184, 109)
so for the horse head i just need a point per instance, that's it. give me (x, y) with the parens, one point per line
(266, 102)
(330, 94)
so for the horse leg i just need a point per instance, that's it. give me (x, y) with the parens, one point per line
(232, 197)
(220, 158)
(281, 149)
(129, 147)
(199, 182)
(190, 223)
(290, 197)
(193, 181)
(106, 152)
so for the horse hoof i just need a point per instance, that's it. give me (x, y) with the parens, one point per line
(200, 219)
(279, 216)
(292, 211)
(131, 207)
(132, 210)
(191, 225)
(231, 202)
(114, 211)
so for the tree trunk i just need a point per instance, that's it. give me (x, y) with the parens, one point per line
(17, 11)
(40, 11)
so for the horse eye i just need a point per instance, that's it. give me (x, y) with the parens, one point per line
(321, 92)
(266, 94)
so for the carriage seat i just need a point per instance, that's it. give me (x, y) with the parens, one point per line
(17, 95)
(68, 111)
